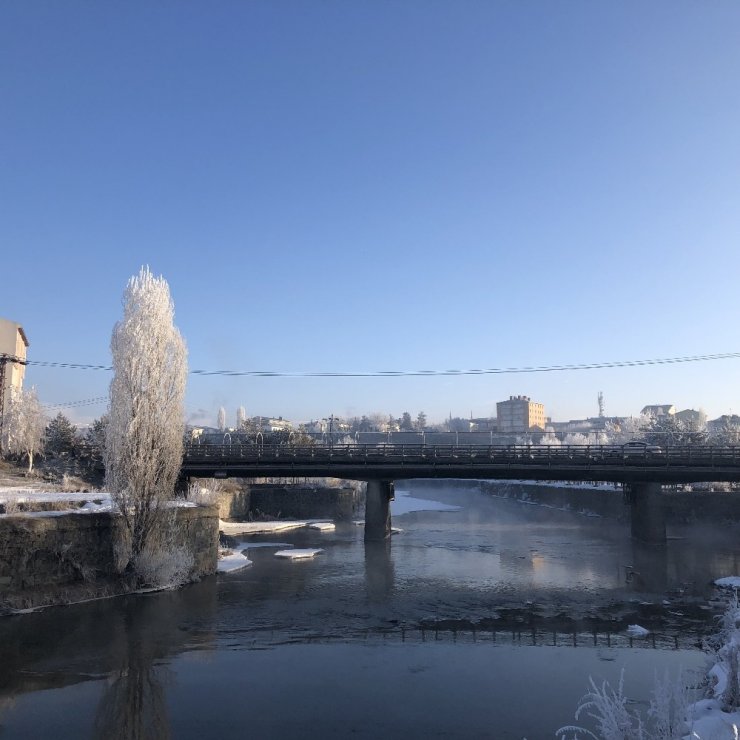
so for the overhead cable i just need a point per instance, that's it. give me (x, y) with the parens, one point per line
(421, 373)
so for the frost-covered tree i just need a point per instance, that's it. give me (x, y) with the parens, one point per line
(222, 419)
(626, 430)
(95, 435)
(406, 424)
(421, 421)
(60, 436)
(24, 425)
(241, 418)
(144, 438)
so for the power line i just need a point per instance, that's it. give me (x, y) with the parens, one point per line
(422, 373)
(76, 404)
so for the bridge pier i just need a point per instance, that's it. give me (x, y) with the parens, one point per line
(378, 510)
(648, 515)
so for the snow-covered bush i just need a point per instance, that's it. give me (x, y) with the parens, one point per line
(204, 492)
(163, 568)
(666, 716)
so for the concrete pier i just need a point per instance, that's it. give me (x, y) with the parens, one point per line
(377, 510)
(648, 515)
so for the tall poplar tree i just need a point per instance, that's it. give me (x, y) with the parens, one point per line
(144, 438)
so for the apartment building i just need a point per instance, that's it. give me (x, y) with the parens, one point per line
(519, 414)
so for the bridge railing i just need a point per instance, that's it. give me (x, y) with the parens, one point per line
(552, 455)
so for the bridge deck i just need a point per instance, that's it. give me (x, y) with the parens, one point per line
(670, 464)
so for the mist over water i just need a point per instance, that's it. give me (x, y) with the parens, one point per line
(458, 626)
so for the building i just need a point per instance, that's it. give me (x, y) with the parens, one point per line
(520, 414)
(13, 345)
(691, 416)
(666, 409)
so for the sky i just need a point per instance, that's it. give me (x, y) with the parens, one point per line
(346, 185)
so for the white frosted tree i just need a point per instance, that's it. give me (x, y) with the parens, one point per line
(222, 419)
(241, 417)
(24, 425)
(144, 437)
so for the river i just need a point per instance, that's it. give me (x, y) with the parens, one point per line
(483, 618)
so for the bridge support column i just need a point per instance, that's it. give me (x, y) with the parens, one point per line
(648, 515)
(378, 510)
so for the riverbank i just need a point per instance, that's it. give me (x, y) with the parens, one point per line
(62, 551)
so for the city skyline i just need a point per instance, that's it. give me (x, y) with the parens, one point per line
(356, 187)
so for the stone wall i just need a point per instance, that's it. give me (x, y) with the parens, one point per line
(289, 502)
(38, 552)
(680, 508)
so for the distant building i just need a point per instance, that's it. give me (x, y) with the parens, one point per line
(269, 424)
(666, 409)
(519, 414)
(722, 422)
(483, 424)
(690, 416)
(13, 344)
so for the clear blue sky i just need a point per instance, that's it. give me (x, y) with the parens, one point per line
(343, 185)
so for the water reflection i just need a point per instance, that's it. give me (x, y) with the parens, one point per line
(133, 705)
(379, 571)
(649, 570)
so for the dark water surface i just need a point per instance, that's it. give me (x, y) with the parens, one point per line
(483, 622)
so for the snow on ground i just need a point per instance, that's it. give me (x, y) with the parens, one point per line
(635, 630)
(298, 554)
(96, 502)
(728, 582)
(29, 495)
(404, 503)
(323, 526)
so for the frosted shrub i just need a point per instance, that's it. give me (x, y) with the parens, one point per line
(164, 568)
(668, 707)
(204, 493)
(609, 709)
(11, 505)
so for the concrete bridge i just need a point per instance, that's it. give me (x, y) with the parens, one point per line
(642, 470)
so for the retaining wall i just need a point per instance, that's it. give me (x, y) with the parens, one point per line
(679, 507)
(289, 502)
(38, 552)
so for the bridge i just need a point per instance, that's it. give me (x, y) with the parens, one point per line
(642, 470)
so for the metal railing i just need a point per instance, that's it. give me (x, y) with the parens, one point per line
(688, 456)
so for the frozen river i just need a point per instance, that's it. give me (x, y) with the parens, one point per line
(483, 618)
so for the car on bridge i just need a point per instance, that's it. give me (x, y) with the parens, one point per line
(637, 448)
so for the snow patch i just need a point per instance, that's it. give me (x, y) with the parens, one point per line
(635, 630)
(728, 582)
(260, 527)
(232, 562)
(323, 526)
(298, 554)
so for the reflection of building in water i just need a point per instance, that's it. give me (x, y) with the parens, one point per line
(538, 562)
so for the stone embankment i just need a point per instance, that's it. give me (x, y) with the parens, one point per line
(264, 500)
(680, 507)
(56, 557)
